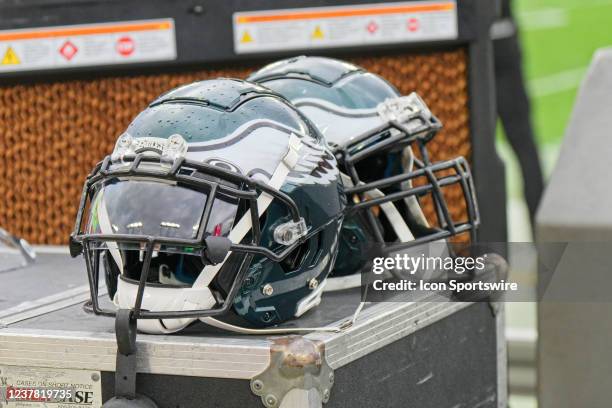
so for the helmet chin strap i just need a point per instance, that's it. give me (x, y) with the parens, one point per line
(391, 212)
(242, 228)
(412, 202)
(106, 228)
(240, 231)
(398, 224)
(396, 220)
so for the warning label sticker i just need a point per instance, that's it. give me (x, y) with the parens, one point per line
(10, 58)
(319, 27)
(86, 45)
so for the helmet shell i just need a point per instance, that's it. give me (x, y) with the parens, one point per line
(338, 82)
(246, 128)
(372, 129)
(354, 94)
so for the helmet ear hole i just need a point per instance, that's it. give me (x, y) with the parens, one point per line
(111, 273)
(317, 249)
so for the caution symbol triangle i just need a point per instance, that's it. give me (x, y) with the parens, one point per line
(246, 37)
(10, 57)
(317, 34)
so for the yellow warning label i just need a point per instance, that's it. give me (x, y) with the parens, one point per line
(10, 57)
(246, 38)
(317, 34)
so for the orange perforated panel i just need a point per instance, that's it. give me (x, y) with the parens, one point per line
(52, 134)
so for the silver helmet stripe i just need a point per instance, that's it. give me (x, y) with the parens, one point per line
(339, 128)
(264, 200)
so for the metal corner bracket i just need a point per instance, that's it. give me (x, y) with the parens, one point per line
(298, 375)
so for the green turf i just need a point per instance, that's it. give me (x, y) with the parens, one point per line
(579, 28)
(551, 114)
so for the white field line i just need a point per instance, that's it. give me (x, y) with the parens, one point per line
(566, 4)
(590, 3)
(554, 17)
(557, 82)
(543, 19)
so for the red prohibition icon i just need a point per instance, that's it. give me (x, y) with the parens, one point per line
(125, 46)
(413, 24)
(372, 27)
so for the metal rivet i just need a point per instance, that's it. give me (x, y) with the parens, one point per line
(95, 377)
(197, 9)
(267, 290)
(331, 378)
(313, 284)
(270, 401)
(175, 140)
(257, 385)
(125, 140)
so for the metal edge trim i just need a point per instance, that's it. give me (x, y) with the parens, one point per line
(383, 324)
(502, 356)
(234, 357)
(188, 356)
(48, 304)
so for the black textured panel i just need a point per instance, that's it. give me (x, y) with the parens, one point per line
(449, 364)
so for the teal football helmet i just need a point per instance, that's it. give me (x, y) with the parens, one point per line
(219, 196)
(374, 133)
